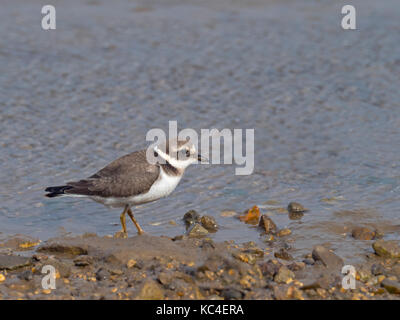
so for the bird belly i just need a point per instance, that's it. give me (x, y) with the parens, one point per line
(162, 187)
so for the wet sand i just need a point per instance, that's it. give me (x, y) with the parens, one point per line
(193, 266)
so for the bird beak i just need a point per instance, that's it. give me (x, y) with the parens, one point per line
(202, 159)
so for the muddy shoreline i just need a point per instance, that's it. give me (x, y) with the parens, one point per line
(193, 266)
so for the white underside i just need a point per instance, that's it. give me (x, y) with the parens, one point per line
(163, 186)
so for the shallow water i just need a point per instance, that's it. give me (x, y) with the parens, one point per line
(324, 104)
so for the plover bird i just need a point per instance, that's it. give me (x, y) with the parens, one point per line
(133, 180)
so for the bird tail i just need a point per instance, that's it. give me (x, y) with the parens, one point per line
(56, 191)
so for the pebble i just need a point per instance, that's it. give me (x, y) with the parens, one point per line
(377, 269)
(102, 274)
(231, 294)
(251, 216)
(83, 261)
(191, 217)
(328, 258)
(283, 254)
(209, 223)
(131, 263)
(296, 207)
(296, 266)
(284, 232)
(391, 286)
(26, 275)
(362, 233)
(387, 249)
(197, 230)
(2, 277)
(284, 275)
(150, 291)
(267, 224)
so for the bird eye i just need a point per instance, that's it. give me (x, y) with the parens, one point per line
(155, 154)
(187, 153)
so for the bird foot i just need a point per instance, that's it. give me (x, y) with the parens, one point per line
(121, 235)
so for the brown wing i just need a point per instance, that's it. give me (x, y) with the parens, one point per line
(127, 176)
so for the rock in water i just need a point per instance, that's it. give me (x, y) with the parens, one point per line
(251, 216)
(284, 232)
(209, 223)
(296, 207)
(191, 217)
(328, 258)
(267, 224)
(283, 254)
(387, 249)
(197, 231)
(361, 233)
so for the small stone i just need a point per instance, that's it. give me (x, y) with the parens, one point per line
(309, 261)
(2, 277)
(209, 223)
(296, 266)
(296, 207)
(131, 263)
(102, 274)
(283, 254)
(251, 216)
(377, 269)
(380, 278)
(267, 224)
(328, 258)
(26, 275)
(83, 261)
(166, 278)
(231, 294)
(396, 269)
(197, 230)
(362, 233)
(387, 249)
(270, 268)
(150, 291)
(284, 275)
(363, 275)
(117, 272)
(284, 232)
(191, 217)
(391, 286)
(248, 258)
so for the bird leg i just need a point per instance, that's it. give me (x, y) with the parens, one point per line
(123, 221)
(140, 230)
